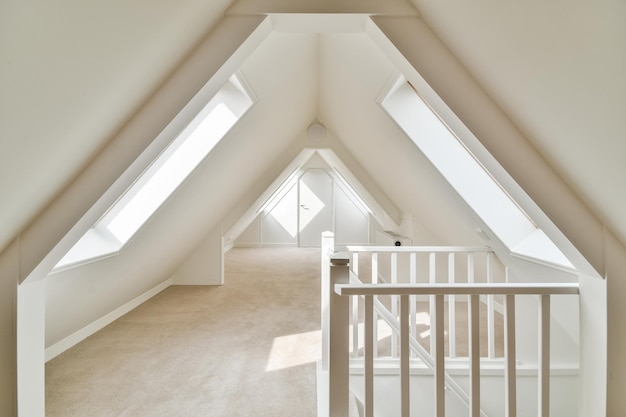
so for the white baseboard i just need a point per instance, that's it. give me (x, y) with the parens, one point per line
(264, 245)
(77, 337)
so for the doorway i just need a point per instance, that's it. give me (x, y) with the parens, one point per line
(314, 202)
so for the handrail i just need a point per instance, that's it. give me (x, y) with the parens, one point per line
(420, 249)
(457, 289)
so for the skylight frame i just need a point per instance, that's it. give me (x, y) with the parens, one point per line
(101, 240)
(515, 229)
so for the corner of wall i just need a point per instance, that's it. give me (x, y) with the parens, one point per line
(614, 286)
(9, 273)
(61, 346)
(204, 265)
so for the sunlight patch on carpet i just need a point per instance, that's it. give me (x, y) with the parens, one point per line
(295, 350)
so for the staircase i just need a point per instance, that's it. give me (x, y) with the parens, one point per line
(431, 331)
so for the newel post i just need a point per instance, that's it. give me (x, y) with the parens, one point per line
(338, 359)
(328, 250)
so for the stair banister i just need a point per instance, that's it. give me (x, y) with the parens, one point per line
(510, 291)
(415, 347)
(374, 309)
(390, 317)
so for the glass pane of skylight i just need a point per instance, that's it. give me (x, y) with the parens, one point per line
(172, 173)
(457, 165)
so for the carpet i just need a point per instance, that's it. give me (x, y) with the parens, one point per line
(247, 348)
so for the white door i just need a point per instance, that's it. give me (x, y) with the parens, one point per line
(315, 214)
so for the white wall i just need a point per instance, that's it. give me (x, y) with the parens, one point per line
(564, 387)
(9, 275)
(205, 264)
(352, 224)
(609, 296)
(252, 235)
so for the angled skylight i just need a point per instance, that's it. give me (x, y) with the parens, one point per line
(468, 177)
(124, 219)
(162, 179)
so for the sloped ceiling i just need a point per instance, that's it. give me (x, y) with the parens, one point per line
(353, 74)
(72, 75)
(557, 69)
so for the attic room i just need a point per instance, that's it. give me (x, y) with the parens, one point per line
(334, 70)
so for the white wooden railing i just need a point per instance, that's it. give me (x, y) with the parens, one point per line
(338, 289)
(430, 257)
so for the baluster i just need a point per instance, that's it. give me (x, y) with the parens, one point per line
(374, 258)
(510, 390)
(413, 298)
(404, 356)
(440, 381)
(451, 309)
(474, 355)
(394, 302)
(354, 263)
(470, 280)
(375, 281)
(432, 278)
(354, 305)
(369, 356)
(544, 356)
(354, 309)
(491, 339)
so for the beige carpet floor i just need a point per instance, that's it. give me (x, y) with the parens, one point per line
(247, 348)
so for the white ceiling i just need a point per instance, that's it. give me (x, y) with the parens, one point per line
(558, 70)
(71, 76)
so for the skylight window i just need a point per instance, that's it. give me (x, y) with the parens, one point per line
(166, 178)
(468, 177)
(124, 219)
